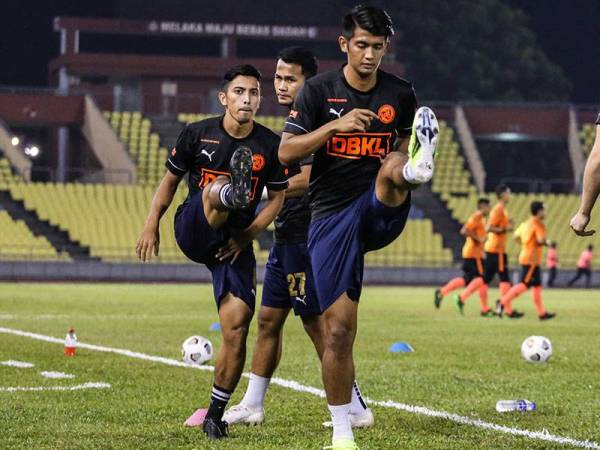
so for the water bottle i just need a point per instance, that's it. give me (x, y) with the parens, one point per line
(515, 405)
(70, 342)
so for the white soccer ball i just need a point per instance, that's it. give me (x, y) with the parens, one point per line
(196, 350)
(536, 349)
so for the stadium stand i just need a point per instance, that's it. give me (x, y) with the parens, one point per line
(105, 217)
(451, 177)
(6, 174)
(587, 135)
(18, 242)
(144, 147)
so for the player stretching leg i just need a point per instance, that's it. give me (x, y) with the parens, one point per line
(229, 159)
(472, 252)
(288, 278)
(496, 261)
(353, 119)
(532, 236)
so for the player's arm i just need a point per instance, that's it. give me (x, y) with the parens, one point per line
(468, 232)
(298, 184)
(591, 189)
(150, 239)
(296, 147)
(237, 243)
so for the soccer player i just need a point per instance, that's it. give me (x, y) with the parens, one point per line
(552, 263)
(584, 267)
(532, 236)
(591, 188)
(288, 279)
(472, 253)
(229, 161)
(356, 121)
(475, 232)
(496, 261)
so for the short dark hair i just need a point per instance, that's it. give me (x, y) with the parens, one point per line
(483, 201)
(375, 20)
(501, 189)
(590, 247)
(536, 207)
(301, 56)
(246, 70)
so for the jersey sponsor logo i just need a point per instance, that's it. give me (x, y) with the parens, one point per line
(207, 176)
(337, 100)
(210, 155)
(336, 113)
(293, 114)
(357, 145)
(174, 151)
(386, 114)
(258, 162)
(210, 141)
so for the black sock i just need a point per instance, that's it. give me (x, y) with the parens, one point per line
(218, 401)
(226, 195)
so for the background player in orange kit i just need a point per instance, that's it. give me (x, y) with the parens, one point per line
(532, 236)
(475, 232)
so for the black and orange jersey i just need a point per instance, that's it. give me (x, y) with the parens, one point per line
(204, 149)
(344, 168)
(291, 224)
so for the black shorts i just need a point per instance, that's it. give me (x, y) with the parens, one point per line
(530, 276)
(495, 263)
(199, 242)
(472, 268)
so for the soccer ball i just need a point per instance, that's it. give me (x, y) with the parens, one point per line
(196, 350)
(536, 349)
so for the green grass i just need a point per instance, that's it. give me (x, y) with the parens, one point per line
(461, 365)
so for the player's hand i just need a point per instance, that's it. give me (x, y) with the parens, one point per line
(355, 120)
(148, 242)
(233, 248)
(578, 224)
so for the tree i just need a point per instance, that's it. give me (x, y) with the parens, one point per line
(474, 50)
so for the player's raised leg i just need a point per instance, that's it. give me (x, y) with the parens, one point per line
(413, 163)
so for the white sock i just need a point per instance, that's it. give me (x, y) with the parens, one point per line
(256, 391)
(341, 421)
(357, 404)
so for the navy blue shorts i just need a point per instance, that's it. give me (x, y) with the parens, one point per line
(200, 243)
(337, 244)
(288, 280)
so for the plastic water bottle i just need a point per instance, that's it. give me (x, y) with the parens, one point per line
(70, 342)
(515, 405)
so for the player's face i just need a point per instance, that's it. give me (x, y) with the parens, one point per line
(485, 209)
(242, 98)
(541, 214)
(287, 81)
(364, 51)
(505, 196)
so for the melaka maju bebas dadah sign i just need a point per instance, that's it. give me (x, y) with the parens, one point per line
(233, 29)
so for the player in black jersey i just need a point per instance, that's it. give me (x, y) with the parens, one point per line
(591, 188)
(356, 121)
(288, 279)
(229, 161)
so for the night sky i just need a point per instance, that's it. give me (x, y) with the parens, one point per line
(567, 30)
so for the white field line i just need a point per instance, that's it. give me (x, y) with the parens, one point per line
(18, 364)
(294, 385)
(77, 387)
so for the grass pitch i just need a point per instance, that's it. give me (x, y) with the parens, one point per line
(461, 365)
